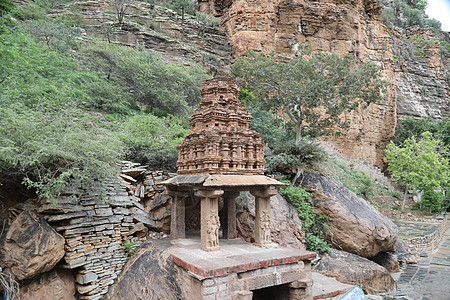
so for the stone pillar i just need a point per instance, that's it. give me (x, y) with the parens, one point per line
(209, 216)
(177, 219)
(301, 289)
(262, 215)
(229, 222)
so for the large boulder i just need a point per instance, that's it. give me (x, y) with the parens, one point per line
(55, 285)
(355, 225)
(148, 274)
(159, 209)
(285, 225)
(31, 247)
(353, 269)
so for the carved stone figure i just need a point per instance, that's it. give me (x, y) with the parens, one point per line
(212, 228)
(265, 226)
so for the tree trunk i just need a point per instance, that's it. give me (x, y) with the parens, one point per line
(298, 133)
(404, 197)
(297, 175)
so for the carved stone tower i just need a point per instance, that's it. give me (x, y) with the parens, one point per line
(220, 141)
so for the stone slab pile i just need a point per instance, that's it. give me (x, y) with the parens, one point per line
(98, 227)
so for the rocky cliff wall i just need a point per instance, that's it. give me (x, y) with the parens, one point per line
(156, 29)
(422, 69)
(342, 26)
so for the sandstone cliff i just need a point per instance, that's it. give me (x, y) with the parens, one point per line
(155, 28)
(352, 27)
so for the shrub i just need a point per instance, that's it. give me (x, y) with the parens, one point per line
(152, 82)
(312, 224)
(31, 11)
(47, 137)
(307, 153)
(431, 201)
(206, 20)
(6, 7)
(152, 140)
(366, 186)
(57, 36)
(188, 6)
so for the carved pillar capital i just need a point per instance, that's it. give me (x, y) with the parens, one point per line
(265, 192)
(208, 193)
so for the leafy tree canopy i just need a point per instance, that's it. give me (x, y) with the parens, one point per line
(151, 81)
(418, 164)
(415, 127)
(314, 91)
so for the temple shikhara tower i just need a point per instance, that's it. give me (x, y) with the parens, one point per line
(220, 141)
(219, 158)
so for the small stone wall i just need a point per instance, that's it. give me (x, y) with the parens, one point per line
(431, 241)
(241, 285)
(97, 227)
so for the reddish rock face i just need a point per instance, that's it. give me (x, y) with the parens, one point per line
(220, 140)
(351, 27)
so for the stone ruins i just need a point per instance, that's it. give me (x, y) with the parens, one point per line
(219, 158)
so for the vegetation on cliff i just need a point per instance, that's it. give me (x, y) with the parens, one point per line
(71, 108)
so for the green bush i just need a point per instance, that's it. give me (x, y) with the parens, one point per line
(415, 127)
(48, 138)
(312, 224)
(58, 36)
(31, 11)
(405, 13)
(190, 7)
(431, 201)
(366, 186)
(152, 83)
(152, 140)
(206, 20)
(307, 153)
(6, 7)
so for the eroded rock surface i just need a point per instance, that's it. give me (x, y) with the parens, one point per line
(353, 269)
(54, 285)
(31, 247)
(285, 225)
(351, 27)
(148, 274)
(354, 225)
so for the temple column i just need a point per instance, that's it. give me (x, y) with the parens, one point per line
(229, 222)
(209, 216)
(177, 218)
(262, 216)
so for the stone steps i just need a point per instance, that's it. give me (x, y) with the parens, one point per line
(327, 287)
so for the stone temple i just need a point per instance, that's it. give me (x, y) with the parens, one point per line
(219, 158)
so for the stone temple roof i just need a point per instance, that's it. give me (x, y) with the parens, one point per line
(220, 141)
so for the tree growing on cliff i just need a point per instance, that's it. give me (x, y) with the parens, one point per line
(419, 164)
(313, 90)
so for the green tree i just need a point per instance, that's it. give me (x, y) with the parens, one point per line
(152, 82)
(152, 140)
(121, 7)
(418, 164)
(314, 91)
(415, 127)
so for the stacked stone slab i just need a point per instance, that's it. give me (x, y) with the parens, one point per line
(97, 226)
(220, 141)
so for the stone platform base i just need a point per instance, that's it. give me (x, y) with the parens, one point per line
(240, 270)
